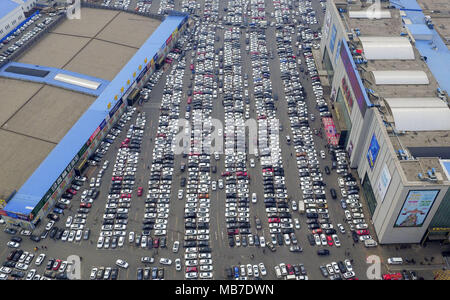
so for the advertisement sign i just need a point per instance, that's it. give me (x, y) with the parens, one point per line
(115, 108)
(155, 58)
(372, 154)
(94, 134)
(383, 182)
(416, 208)
(169, 40)
(347, 96)
(333, 39)
(337, 51)
(138, 79)
(353, 76)
(326, 26)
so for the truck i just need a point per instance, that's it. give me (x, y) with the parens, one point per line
(301, 206)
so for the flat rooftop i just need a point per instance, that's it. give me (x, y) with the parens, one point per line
(393, 27)
(35, 117)
(439, 11)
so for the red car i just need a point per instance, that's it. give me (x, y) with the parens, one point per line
(191, 269)
(226, 173)
(329, 240)
(362, 232)
(156, 243)
(73, 192)
(85, 205)
(392, 276)
(317, 231)
(290, 269)
(117, 178)
(56, 265)
(140, 191)
(189, 100)
(261, 117)
(125, 196)
(274, 220)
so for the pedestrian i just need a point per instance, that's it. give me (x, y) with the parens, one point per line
(353, 244)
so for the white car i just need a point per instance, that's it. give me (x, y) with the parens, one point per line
(12, 244)
(252, 162)
(165, 261)
(254, 198)
(40, 259)
(178, 264)
(262, 269)
(191, 275)
(337, 243)
(131, 237)
(249, 270)
(121, 263)
(348, 265)
(296, 223)
(176, 247)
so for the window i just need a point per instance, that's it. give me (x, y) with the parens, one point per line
(328, 66)
(369, 195)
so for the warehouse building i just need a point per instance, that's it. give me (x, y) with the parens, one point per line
(68, 158)
(390, 104)
(11, 15)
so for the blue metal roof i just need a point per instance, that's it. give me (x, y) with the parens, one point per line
(437, 53)
(29, 195)
(6, 6)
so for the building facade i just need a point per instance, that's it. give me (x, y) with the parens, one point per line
(404, 187)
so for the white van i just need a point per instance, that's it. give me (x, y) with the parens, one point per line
(370, 243)
(395, 261)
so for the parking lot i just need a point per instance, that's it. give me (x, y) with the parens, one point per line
(279, 205)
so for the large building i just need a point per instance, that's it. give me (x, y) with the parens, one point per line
(388, 77)
(12, 14)
(68, 157)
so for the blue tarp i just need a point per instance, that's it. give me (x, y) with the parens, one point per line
(51, 168)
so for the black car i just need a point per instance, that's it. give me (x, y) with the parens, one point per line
(10, 231)
(333, 193)
(323, 252)
(16, 239)
(355, 237)
(140, 274)
(114, 273)
(311, 240)
(35, 238)
(327, 170)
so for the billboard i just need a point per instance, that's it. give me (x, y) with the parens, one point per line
(333, 38)
(383, 182)
(353, 76)
(372, 153)
(415, 210)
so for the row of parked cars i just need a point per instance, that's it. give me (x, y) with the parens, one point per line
(19, 265)
(245, 272)
(312, 183)
(115, 217)
(12, 45)
(237, 202)
(197, 247)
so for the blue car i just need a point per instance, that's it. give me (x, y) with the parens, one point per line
(236, 272)
(343, 204)
(58, 210)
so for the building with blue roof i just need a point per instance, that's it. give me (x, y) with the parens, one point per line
(40, 192)
(11, 15)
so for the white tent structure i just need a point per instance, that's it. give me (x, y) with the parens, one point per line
(400, 77)
(368, 14)
(89, 84)
(419, 114)
(388, 48)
